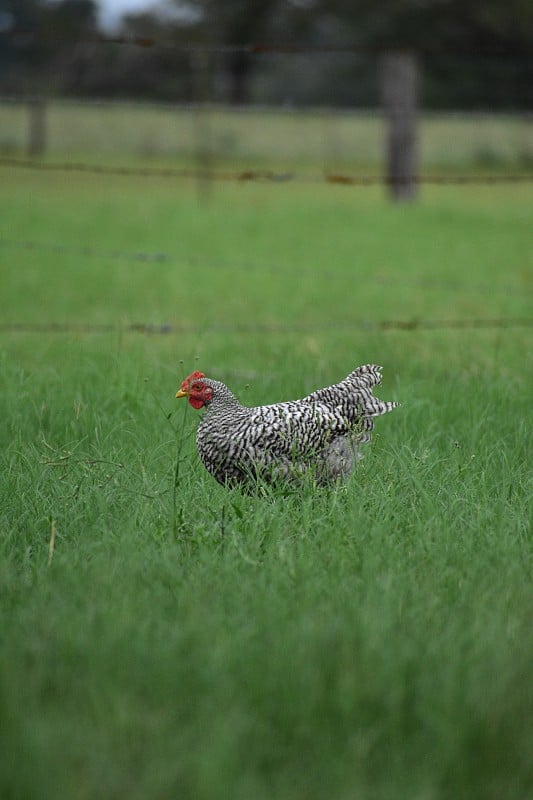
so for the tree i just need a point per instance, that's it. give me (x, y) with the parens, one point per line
(230, 23)
(42, 36)
(488, 42)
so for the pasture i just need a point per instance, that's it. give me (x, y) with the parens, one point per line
(164, 637)
(313, 140)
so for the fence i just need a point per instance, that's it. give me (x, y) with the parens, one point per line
(396, 139)
(398, 145)
(164, 258)
(258, 143)
(167, 329)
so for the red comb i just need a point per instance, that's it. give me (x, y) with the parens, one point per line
(194, 376)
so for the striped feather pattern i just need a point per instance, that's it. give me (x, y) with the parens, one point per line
(322, 431)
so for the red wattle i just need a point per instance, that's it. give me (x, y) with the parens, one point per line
(196, 402)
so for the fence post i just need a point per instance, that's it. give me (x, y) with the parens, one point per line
(202, 133)
(36, 127)
(399, 96)
(330, 141)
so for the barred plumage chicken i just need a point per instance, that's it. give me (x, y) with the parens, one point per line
(322, 432)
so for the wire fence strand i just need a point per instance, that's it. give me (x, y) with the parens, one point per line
(169, 329)
(259, 176)
(195, 261)
(27, 34)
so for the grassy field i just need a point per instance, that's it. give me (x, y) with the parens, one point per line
(283, 140)
(163, 637)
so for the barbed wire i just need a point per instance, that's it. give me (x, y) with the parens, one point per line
(376, 111)
(85, 251)
(260, 175)
(167, 329)
(200, 261)
(28, 34)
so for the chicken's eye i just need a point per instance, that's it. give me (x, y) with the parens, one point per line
(197, 387)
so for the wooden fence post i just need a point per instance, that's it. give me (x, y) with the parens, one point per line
(399, 95)
(36, 127)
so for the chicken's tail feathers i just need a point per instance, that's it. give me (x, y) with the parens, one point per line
(355, 392)
(384, 406)
(365, 378)
(367, 375)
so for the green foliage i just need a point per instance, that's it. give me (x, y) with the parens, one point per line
(474, 55)
(164, 637)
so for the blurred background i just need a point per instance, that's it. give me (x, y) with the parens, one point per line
(234, 186)
(406, 89)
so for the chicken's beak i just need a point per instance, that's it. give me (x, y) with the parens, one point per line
(181, 393)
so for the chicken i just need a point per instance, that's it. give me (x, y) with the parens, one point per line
(322, 432)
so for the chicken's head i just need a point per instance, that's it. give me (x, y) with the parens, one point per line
(196, 389)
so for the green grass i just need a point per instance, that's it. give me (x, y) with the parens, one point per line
(163, 637)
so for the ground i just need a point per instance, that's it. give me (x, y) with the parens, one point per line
(162, 636)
